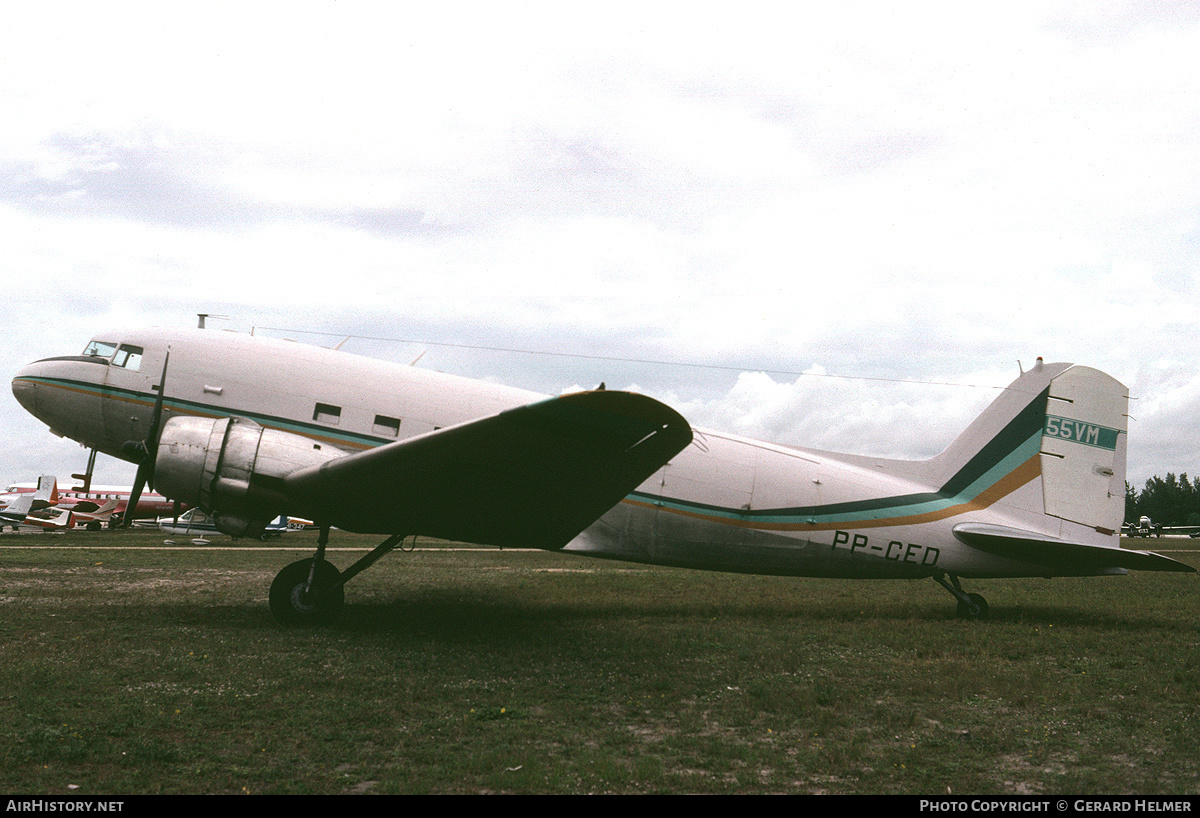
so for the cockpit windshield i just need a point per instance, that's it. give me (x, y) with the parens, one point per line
(100, 349)
(125, 355)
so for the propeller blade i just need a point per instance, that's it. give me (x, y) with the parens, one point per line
(156, 418)
(148, 449)
(139, 482)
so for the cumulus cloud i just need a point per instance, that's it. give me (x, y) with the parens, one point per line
(917, 193)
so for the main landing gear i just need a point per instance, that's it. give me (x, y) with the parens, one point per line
(312, 591)
(970, 606)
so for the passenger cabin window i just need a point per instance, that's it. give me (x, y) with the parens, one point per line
(385, 425)
(100, 349)
(129, 357)
(327, 414)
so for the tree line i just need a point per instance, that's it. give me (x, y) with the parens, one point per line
(1166, 500)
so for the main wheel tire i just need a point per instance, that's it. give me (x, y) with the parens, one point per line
(293, 605)
(964, 610)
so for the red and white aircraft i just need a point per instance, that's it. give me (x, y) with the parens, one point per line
(95, 506)
(248, 429)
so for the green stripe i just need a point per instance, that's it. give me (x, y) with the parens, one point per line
(886, 507)
(186, 407)
(1018, 441)
(1078, 431)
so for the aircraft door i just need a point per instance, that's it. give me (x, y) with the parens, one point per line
(129, 393)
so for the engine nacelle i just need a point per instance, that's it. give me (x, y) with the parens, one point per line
(233, 468)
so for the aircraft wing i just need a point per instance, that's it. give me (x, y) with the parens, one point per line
(534, 476)
(45, 495)
(93, 511)
(1059, 555)
(18, 510)
(54, 517)
(1182, 530)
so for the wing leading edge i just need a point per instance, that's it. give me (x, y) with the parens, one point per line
(534, 476)
(1059, 556)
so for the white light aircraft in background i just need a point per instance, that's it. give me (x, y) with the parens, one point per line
(197, 522)
(100, 504)
(248, 429)
(16, 506)
(16, 512)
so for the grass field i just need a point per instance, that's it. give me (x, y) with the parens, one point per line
(143, 670)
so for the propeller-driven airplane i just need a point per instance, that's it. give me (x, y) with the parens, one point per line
(196, 522)
(1144, 528)
(16, 512)
(99, 505)
(248, 428)
(16, 506)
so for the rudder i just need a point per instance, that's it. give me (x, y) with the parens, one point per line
(1083, 450)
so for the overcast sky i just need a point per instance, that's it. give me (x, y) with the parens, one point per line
(898, 196)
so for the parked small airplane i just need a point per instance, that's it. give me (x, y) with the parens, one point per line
(248, 429)
(55, 510)
(197, 522)
(53, 518)
(14, 513)
(101, 504)
(16, 506)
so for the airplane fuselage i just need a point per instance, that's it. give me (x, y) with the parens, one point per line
(723, 503)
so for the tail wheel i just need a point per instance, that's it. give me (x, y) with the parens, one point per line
(294, 602)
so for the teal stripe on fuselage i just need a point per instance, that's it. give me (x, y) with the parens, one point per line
(185, 407)
(1014, 445)
(896, 506)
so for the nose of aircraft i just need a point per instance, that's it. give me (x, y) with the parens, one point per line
(65, 394)
(24, 387)
(61, 392)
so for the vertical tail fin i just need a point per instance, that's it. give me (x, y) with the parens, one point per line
(47, 491)
(1083, 450)
(1050, 451)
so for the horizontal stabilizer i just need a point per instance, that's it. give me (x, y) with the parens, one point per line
(534, 476)
(52, 518)
(1059, 555)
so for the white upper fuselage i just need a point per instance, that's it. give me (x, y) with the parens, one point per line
(281, 384)
(724, 502)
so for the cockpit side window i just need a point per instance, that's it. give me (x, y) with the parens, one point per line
(129, 357)
(100, 349)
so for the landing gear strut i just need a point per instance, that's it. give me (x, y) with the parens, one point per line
(312, 591)
(970, 606)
